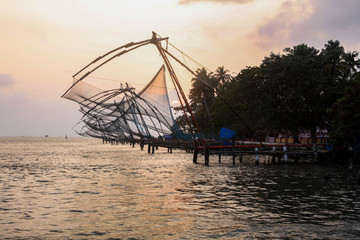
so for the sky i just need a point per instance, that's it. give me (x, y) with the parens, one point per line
(43, 43)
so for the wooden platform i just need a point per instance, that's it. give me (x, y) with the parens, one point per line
(276, 152)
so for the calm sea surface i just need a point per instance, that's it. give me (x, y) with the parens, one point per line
(78, 188)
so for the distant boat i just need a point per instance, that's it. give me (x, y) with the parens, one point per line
(46, 135)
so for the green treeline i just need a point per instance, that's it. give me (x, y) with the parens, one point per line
(301, 90)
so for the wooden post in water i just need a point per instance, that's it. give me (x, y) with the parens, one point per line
(315, 148)
(285, 154)
(149, 147)
(273, 155)
(350, 164)
(257, 156)
(207, 155)
(195, 154)
(233, 149)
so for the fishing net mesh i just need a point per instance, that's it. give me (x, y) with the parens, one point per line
(122, 113)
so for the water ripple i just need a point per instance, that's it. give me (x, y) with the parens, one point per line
(82, 189)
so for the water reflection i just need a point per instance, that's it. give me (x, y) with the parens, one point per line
(81, 189)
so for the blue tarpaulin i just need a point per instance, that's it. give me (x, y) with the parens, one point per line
(226, 133)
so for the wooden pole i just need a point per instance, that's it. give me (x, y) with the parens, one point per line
(195, 154)
(233, 149)
(273, 155)
(315, 148)
(176, 82)
(257, 156)
(285, 154)
(149, 147)
(350, 164)
(207, 155)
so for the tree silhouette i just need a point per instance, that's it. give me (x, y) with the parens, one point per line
(222, 75)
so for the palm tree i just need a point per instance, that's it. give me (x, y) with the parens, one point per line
(222, 75)
(202, 95)
(350, 63)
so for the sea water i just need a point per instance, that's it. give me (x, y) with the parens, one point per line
(79, 188)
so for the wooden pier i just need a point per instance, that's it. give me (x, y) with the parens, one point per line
(275, 152)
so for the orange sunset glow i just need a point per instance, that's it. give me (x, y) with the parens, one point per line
(45, 42)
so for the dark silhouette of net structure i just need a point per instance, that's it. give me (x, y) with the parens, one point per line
(125, 114)
(122, 113)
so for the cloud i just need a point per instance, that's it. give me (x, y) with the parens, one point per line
(277, 31)
(313, 22)
(6, 81)
(216, 1)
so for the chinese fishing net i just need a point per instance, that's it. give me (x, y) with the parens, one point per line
(123, 113)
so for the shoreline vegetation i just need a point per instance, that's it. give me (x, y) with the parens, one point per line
(303, 90)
